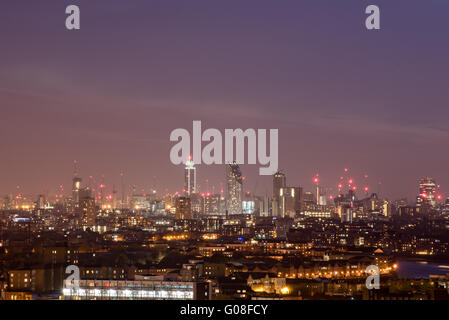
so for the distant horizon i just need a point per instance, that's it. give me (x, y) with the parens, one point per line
(215, 188)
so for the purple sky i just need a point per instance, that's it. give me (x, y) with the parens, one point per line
(110, 94)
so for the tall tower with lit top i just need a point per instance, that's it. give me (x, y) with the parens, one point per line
(190, 178)
(76, 185)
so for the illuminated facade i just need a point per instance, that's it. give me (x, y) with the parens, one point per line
(88, 212)
(76, 186)
(234, 183)
(197, 203)
(248, 207)
(213, 204)
(279, 182)
(427, 193)
(136, 290)
(289, 201)
(183, 208)
(190, 178)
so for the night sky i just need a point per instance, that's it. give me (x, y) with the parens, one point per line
(109, 94)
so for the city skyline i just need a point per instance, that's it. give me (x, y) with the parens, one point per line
(363, 185)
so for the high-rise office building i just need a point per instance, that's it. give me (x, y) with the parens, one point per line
(196, 203)
(265, 206)
(346, 214)
(183, 208)
(88, 212)
(212, 204)
(76, 186)
(114, 198)
(190, 178)
(279, 182)
(289, 201)
(41, 202)
(249, 203)
(234, 183)
(321, 196)
(427, 193)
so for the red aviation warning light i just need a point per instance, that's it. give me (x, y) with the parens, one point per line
(316, 180)
(340, 186)
(350, 181)
(346, 169)
(439, 197)
(366, 189)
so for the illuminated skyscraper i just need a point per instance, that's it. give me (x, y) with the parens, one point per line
(88, 212)
(76, 186)
(290, 201)
(41, 202)
(197, 203)
(321, 196)
(212, 204)
(190, 178)
(183, 208)
(279, 182)
(427, 193)
(234, 188)
(114, 198)
(265, 206)
(248, 203)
